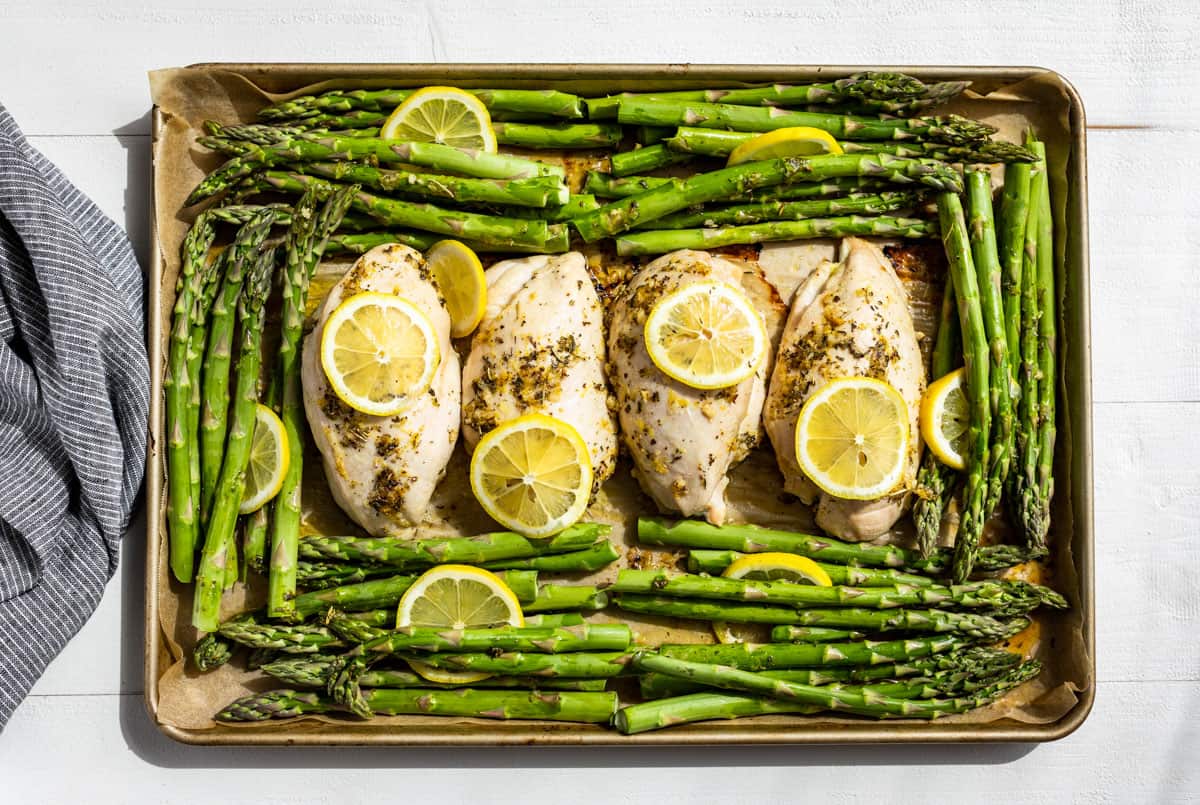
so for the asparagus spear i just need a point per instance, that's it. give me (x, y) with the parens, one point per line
(755, 539)
(987, 266)
(182, 504)
(693, 707)
(550, 103)
(705, 610)
(290, 639)
(1024, 487)
(892, 93)
(935, 481)
(322, 575)
(850, 699)
(1047, 303)
(306, 243)
(584, 665)
(719, 143)
(605, 186)
(538, 191)
(557, 242)
(587, 708)
(560, 135)
(478, 549)
(1010, 228)
(950, 129)
(1010, 597)
(214, 272)
(768, 656)
(715, 562)
(599, 555)
(659, 241)
(218, 355)
(813, 634)
(943, 670)
(315, 147)
(678, 194)
(539, 639)
(211, 651)
(214, 558)
(486, 230)
(859, 204)
(975, 357)
(562, 597)
(303, 671)
(647, 158)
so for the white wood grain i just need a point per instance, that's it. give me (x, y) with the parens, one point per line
(115, 756)
(1133, 62)
(74, 71)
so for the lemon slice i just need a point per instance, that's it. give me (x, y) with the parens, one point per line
(379, 353)
(457, 597)
(533, 475)
(268, 460)
(458, 274)
(445, 115)
(945, 418)
(707, 336)
(795, 141)
(768, 567)
(852, 438)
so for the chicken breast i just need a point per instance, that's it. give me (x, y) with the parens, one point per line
(683, 440)
(382, 471)
(848, 319)
(540, 349)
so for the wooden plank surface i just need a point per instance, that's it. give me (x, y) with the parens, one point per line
(73, 74)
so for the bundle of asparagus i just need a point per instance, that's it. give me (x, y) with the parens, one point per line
(318, 165)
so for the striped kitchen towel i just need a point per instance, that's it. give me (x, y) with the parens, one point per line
(74, 393)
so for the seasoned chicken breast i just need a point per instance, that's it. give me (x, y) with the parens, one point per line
(683, 440)
(847, 319)
(383, 470)
(540, 349)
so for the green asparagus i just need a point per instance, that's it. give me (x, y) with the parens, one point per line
(859, 204)
(975, 356)
(564, 597)
(755, 539)
(587, 708)
(813, 634)
(1047, 340)
(290, 639)
(320, 148)
(218, 540)
(591, 559)
(550, 103)
(647, 158)
(478, 549)
(678, 194)
(935, 481)
(849, 699)
(303, 671)
(1010, 231)
(950, 129)
(558, 136)
(715, 562)
(660, 241)
(306, 244)
(183, 505)
(987, 267)
(1009, 597)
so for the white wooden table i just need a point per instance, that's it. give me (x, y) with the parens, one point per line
(73, 74)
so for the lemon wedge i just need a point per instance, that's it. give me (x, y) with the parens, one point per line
(457, 597)
(268, 460)
(795, 141)
(707, 335)
(445, 115)
(458, 274)
(768, 567)
(379, 353)
(852, 438)
(533, 475)
(945, 418)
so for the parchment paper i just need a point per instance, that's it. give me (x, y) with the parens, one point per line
(188, 699)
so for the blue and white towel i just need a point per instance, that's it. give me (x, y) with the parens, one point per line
(74, 393)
